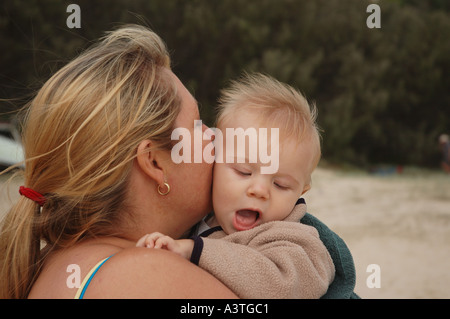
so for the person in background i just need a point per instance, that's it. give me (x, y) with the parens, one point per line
(444, 144)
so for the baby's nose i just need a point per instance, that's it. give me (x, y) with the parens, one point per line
(258, 190)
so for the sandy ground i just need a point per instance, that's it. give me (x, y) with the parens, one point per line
(400, 222)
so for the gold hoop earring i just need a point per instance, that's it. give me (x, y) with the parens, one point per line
(166, 192)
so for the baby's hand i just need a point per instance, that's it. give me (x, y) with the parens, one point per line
(182, 247)
(155, 240)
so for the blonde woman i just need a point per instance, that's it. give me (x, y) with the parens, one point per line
(99, 175)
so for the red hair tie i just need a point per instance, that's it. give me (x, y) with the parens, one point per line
(33, 195)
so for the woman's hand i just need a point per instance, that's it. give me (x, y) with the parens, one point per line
(182, 247)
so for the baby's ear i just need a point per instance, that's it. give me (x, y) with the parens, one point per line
(306, 188)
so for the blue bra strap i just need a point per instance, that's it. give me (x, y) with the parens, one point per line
(88, 278)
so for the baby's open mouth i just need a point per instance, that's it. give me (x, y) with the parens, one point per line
(245, 219)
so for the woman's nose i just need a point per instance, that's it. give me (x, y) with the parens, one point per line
(208, 141)
(208, 132)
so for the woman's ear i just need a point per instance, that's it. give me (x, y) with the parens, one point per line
(149, 161)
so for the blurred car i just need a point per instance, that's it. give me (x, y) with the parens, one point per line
(11, 151)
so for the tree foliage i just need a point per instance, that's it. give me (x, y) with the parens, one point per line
(382, 94)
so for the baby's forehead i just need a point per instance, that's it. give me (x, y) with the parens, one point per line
(228, 117)
(255, 117)
(290, 145)
(286, 135)
(304, 150)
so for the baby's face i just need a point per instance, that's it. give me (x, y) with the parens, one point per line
(243, 197)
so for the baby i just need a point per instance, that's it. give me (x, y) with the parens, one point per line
(254, 242)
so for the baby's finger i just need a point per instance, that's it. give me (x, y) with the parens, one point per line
(149, 242)
(142, 241)
(152, 240)
(162, 242)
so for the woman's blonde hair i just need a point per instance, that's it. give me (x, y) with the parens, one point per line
(80, 137)
(275, 104)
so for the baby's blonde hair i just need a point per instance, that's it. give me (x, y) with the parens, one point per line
(80, 137)
(275, 104)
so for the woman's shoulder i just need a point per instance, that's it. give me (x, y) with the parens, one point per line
(154, 273)
(65, 269)
(130, 272)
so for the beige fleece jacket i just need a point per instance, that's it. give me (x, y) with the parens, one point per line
(279, 259)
